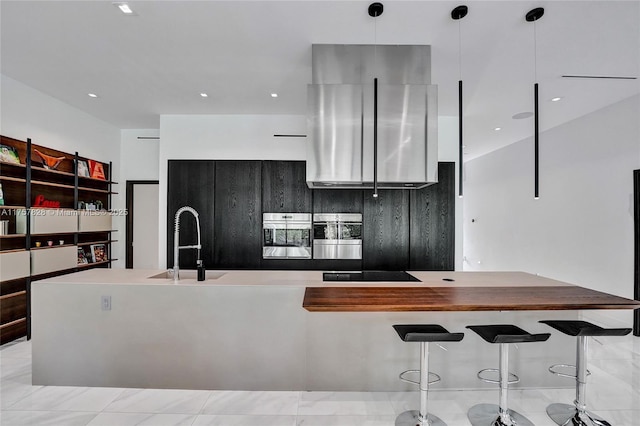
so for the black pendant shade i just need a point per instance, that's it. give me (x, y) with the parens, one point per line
(532, 16)
(457, 14)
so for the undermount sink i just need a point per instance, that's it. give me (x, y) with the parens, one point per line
(189, 274)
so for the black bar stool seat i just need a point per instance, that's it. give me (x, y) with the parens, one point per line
(501, 415)
(423, 334)
(426, 333)
(577, 414)
(583, 328)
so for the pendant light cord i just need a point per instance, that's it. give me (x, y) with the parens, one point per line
(459, 50)
(535, 53)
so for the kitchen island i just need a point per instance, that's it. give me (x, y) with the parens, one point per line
(248, 330)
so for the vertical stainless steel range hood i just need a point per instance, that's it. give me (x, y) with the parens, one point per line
(340, 117)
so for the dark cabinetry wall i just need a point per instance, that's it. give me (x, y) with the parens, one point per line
(337, 201)
(432, 223)
(238, 214)
(402, 229)
(385, 227)
(191, 183)
(284, 189)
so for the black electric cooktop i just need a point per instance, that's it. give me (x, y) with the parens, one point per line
(368, 276)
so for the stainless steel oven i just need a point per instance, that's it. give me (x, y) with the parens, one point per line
(286, 235)
(337, 236)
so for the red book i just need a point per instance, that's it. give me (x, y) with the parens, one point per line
(96, 170)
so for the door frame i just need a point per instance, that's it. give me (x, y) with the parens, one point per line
(129, 226)
(636, 291)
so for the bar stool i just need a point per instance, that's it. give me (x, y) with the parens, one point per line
(577, 414)
(501, 415)
(423, 333)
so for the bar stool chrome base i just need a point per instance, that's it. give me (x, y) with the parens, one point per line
(412, 418)
(569, 415)
(488, 415)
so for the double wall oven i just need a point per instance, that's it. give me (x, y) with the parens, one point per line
(286, 235)
(337, 236)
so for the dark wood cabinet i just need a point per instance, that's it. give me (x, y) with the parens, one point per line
(432, 223)
(191, 183)
(337, 201)
(385, 227)
(238, 215)
(402, 229)
(284, 189)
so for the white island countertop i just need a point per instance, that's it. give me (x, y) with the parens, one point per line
(300, 279)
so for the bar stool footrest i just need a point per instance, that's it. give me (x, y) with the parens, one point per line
(565, 414)
(554, 369)
(402, 377)
(512, 377)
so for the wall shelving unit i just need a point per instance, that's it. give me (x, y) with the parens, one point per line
(44, 241)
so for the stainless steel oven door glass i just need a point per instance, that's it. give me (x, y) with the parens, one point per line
(337, 236)
(286, 235)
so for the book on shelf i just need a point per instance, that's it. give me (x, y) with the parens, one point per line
(82, 258)
(83, 168)
(99, 253)
(96, 170)
(8, 154)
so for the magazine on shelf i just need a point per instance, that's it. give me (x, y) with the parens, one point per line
(96, 169)
(8, 154)
(83, 168)
(82, 258)
(99, 253)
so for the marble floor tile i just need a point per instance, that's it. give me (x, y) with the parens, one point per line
(345, 403)
(345, 420)
(11, 392)
(45, 418)
(20, 348)
(240, 420)
(252, 403)
(175, 401)
(621, 417)
(13, 368)
(66, 398)
(142, 419)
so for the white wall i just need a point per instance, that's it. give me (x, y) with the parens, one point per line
(139, 160)
(250, 137)
(581, 228)
(28, 113)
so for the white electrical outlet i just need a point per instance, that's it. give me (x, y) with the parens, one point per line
(105, 302)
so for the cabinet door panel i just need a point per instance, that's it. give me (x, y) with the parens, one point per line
(432, 224)
(191, 183)
(337, 201)
(386, 231)
(238, 215)
(284, 189)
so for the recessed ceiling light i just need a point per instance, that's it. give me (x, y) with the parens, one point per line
(124, 7)
(93, 95)
(497, 129)
(204, 95)
(555, 99)
(521, 115)
(274, 95)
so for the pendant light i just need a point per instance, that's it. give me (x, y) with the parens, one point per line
(457, 14)
(532, 16)
(375, 10)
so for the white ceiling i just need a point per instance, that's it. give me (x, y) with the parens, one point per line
(159, 61)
